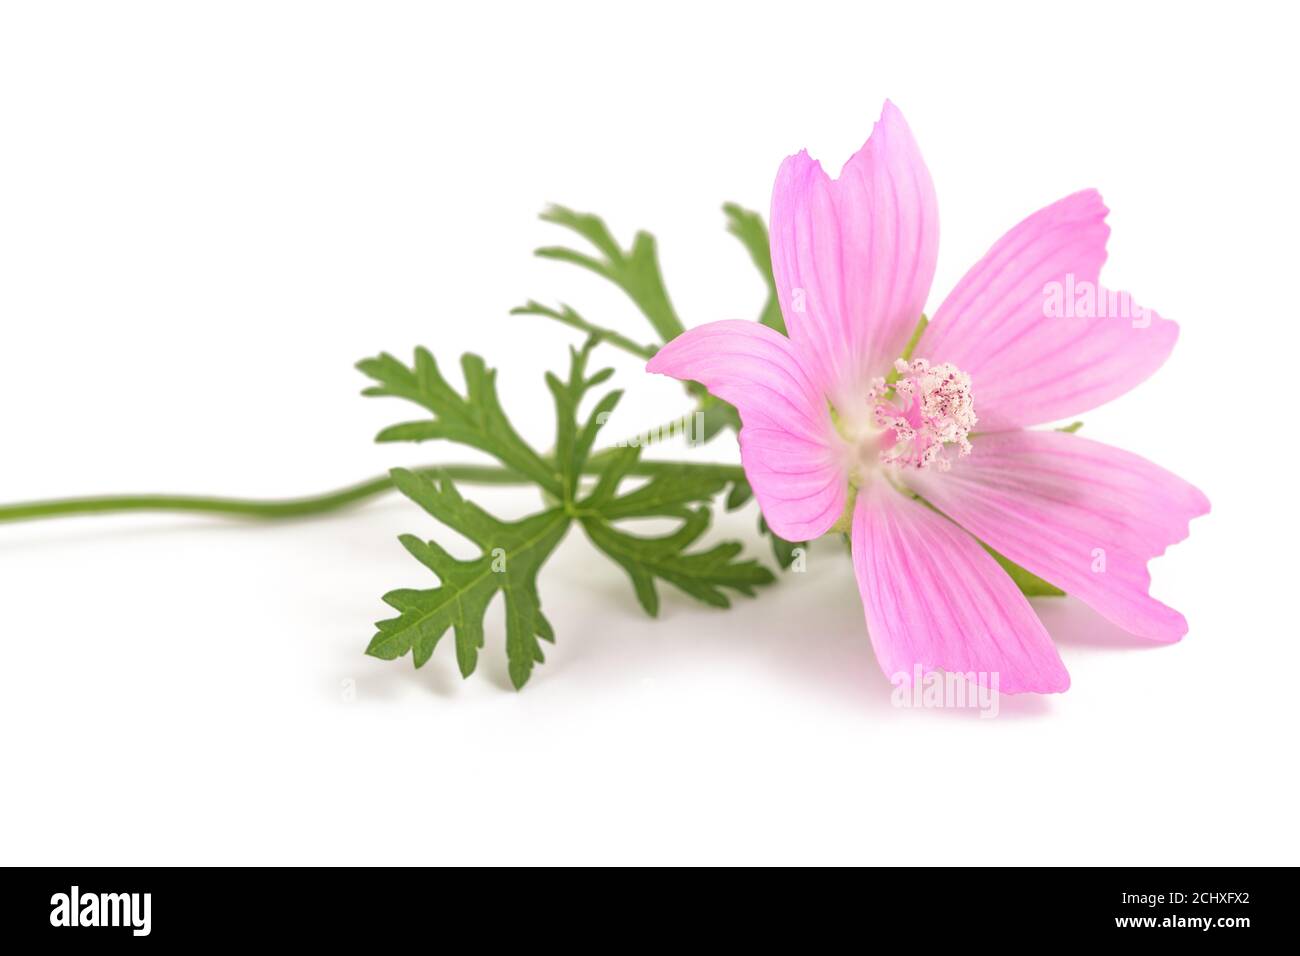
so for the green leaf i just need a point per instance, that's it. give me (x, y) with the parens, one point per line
(715, 417)
(475, 419)
(782, 549)
(749, 228)
(740, 493)
(665, 494)
(511, 555)
(573, 443)
(635, 270)
(681, 495)
(572, 319)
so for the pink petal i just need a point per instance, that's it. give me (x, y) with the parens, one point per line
(1029, 365)
(1049, 500)
(854, 257)
(793, 457)
(934, 597)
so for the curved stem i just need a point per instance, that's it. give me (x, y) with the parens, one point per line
(314, 505)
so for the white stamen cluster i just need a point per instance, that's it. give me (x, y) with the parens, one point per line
(927, 408)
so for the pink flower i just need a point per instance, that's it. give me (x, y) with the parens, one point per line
(923, 464)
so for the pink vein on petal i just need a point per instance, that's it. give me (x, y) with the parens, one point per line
(793, 457)
(934, 597)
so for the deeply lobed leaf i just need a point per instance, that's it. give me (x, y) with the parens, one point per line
(511, 553)
(701, 574)
(634, 270)
(475, 419)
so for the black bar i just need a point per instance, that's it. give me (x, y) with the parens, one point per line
(1050, 906)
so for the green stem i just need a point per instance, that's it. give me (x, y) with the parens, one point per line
(316, 504)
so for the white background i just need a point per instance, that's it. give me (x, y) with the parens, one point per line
(209, 212)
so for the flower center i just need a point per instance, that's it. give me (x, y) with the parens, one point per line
(926, 409)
